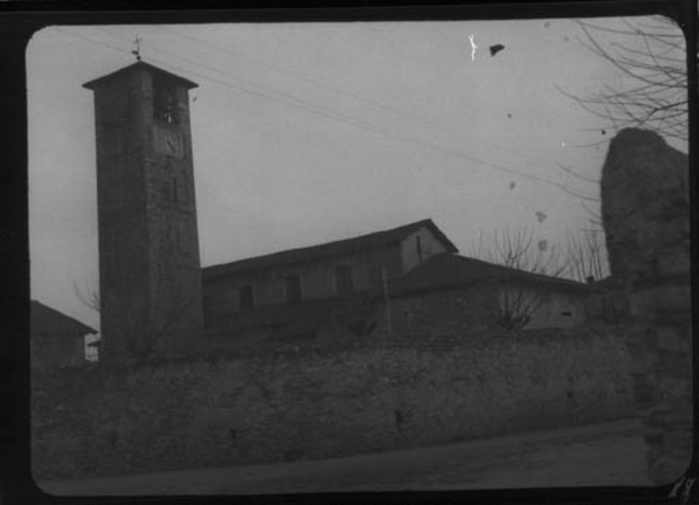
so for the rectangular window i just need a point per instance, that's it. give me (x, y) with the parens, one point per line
(208, 310)
(164, 101)
(343, 280)
(293, 288)
(185, 194)
(178, 236)
(246, 298)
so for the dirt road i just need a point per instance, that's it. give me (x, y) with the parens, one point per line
(600, 454)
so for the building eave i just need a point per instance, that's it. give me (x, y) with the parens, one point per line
(335, 248)
(95, 83)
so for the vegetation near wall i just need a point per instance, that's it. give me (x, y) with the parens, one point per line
(304, 405)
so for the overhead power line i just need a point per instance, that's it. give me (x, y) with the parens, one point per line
(315, 109)
(355, 96)
(89, 39)
(309, 80)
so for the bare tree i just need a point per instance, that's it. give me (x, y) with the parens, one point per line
(652, 93)
(161, 319)
(512, 303)
(587, 255)
(650, 54)
(518, 249)
(90, 300)
(355, 311)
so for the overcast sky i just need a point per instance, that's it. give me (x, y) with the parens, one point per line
(307, 133)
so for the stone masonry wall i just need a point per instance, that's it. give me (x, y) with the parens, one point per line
(645, 212)
(150, 275)
(283, 407)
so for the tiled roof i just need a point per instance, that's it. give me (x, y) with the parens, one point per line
(48, 321)
(136, 66)
(337, 248)
(451, 270)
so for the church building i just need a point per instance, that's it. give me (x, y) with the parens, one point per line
(151, 292)
(156, 298)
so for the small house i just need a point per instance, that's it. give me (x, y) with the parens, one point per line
(57, 340)
(450, 293)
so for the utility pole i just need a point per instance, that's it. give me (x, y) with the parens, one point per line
(137, 48)
(387, 300)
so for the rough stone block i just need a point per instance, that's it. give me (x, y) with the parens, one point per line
(645, 213)
(665, 303)
(664, 469)
(675, 262)
(674, 339)
(644, 394)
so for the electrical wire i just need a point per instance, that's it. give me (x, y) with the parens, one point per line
(355, 96)
(324, 112)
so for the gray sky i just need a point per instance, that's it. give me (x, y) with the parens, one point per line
(307, 133)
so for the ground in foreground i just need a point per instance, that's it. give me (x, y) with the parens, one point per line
(608, 454)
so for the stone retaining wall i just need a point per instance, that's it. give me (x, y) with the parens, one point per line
(290, 406)
(645, 212)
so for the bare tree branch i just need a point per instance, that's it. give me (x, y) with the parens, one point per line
(90, 300)
(651, 57)
(587, 255)
(514, 304)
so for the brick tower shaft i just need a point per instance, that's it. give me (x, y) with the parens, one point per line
(150, 272)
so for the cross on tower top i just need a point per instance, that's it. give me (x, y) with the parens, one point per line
(137, 48)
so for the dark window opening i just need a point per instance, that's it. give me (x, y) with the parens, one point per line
(165, 101)
(208, 310)
(178, 238)
(246, 299)
(293, 288)
(566, 313)
(343, 280)
(400, 419)
(418, 245)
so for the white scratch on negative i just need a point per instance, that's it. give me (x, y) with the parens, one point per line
(473, 47)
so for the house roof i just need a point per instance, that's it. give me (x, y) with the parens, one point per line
(337, 248)
(45, 320)
(136, 66)
(608, 283)
(452, 270)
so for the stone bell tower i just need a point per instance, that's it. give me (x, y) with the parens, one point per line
(150, 274)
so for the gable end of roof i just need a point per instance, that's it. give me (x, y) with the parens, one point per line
(329, 249)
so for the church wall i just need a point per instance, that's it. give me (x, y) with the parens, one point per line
(419, 246)
(221, 295)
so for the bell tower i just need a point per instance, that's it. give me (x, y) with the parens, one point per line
(150, 272)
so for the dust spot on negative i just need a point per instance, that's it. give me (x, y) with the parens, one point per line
(496, 48)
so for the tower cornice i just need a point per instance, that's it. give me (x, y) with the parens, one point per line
(138, 66)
